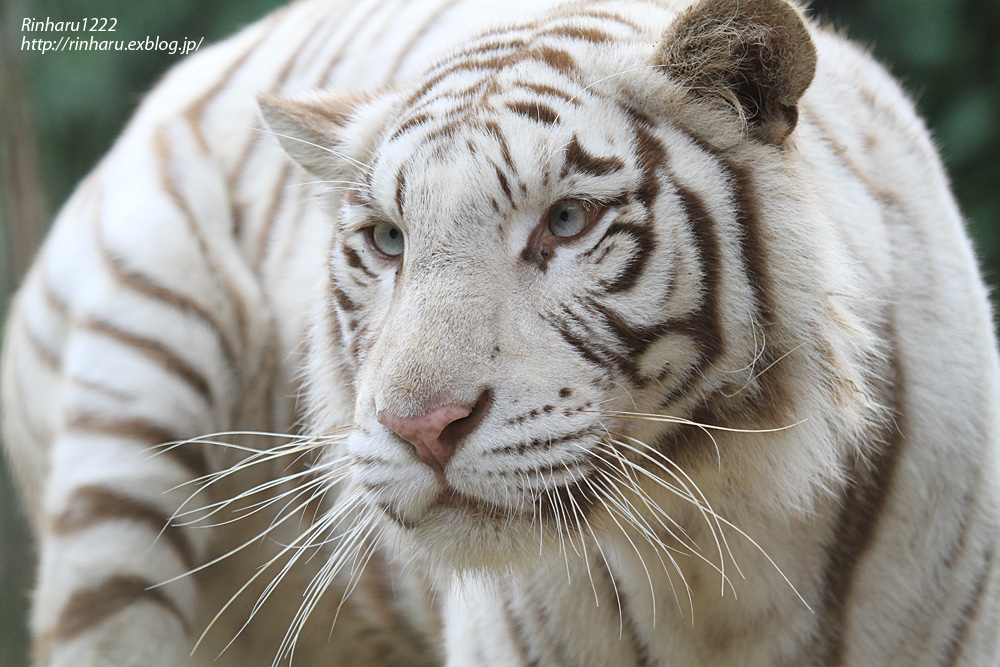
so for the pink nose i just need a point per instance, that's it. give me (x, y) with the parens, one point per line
(436, 435)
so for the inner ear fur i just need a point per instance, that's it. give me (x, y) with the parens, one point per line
(755, 56)
(312, 130)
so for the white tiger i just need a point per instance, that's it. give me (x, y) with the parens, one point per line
(625, 333)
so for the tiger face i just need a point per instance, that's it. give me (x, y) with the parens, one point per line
(527, 255)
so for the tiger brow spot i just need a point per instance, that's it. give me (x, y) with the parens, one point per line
(565, 392)
(548, 408)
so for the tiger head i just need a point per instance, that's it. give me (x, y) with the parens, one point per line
(557, 230)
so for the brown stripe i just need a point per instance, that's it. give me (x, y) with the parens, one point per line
(89, 506)
(341, 297)
(167, 182)
(189, 455)
(703, 325)
(644, 239)
(354, 260)
(608, 16)
(504, 185)
(91, 607)
(969, 613)
(265, 243)
(145, 285)
(382, 598)
(48, 357)
(772, 394)
(252, 144)
(413, 121)
(591, 35)
(163, 356)
(865, 500)
(542, 89)
(196, 111)
(578, 159)
(631, 633)
(494, 129)
(417, 35)
(351, 32)
(518, 634)
(876, 191)
(536, 111)
(557, 59)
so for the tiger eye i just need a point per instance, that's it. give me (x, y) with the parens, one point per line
(568, 218)
(388, 239)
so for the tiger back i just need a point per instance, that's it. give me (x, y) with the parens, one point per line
(620, 333)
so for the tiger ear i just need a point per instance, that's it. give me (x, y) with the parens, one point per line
(313, 130)
(754, 56)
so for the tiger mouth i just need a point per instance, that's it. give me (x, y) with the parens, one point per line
(451, 498)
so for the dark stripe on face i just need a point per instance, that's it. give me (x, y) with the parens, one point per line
(559, 60)
(536, 111)
(93, 505)
(542, 89)
(543, 443)
(579, 160)
(410, 123)
(504, 185)
(703, 325)
(591, 35)
(645, 243)
(498, 134)
(343, 301)
(773, 394)
(633, 340)
(354, 260)
(595, 353)
(88, 608)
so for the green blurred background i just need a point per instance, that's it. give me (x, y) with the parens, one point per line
(59, 112)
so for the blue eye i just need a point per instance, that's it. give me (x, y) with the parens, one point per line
(568, 218)
(387, 239)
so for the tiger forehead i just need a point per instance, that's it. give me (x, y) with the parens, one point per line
(497, 169)
(538, 70)
(506, 118)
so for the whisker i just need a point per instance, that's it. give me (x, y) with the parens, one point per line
(769, 367)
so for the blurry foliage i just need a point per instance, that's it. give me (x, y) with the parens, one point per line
(946, 53)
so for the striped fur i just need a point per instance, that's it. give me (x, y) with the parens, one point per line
(748, 416)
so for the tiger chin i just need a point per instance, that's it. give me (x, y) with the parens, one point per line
(626, 333)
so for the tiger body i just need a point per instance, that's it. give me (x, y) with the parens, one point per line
(796, 274)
